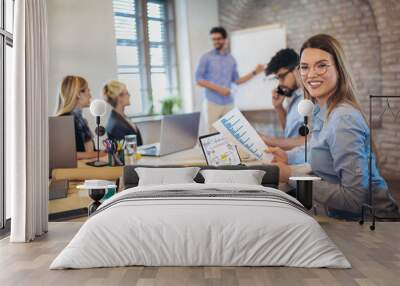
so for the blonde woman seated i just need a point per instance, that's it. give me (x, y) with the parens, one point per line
(118, 125)
(74, 96)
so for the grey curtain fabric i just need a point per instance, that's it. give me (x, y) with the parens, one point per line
(28, 123)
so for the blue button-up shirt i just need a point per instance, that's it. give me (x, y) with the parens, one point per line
(218, 68)
(339, 150)
(338, 145)
(293, 119)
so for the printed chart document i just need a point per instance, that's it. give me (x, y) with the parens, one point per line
(236, 129)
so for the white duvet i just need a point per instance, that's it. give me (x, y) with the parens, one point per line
(200, 231)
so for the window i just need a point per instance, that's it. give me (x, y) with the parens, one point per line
(145, 51)
(6, 43)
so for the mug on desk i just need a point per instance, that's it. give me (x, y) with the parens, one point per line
(130, 149)
(109, 193)
(115, 152)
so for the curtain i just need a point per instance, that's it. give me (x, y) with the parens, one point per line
(27, 123)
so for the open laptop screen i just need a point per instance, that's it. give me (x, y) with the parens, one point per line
(218, 151)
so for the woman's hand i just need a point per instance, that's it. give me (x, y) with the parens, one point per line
(269, 141)
(280, 156)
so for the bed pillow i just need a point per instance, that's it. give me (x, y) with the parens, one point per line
(248, 177)
(166, 176)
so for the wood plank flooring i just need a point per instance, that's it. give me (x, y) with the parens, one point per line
(375, 257)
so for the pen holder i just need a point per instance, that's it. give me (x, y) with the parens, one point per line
(120, 155)
(111, 159)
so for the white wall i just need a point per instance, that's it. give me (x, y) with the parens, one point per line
(194, 19)
(81, 42)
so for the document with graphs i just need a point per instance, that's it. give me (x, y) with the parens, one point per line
(236, 129)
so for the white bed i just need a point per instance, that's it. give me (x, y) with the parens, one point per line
(238, 228)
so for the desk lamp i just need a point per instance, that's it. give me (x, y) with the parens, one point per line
(98, 108)
(305, 109)
(304, 188)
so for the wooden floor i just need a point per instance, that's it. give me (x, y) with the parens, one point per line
(375, 257)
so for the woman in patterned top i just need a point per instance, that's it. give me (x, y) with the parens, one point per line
(74, 96)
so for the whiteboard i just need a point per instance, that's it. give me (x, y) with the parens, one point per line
(251, 47)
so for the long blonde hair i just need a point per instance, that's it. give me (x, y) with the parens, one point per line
(71, 87)
(112, 90)
(346, 91)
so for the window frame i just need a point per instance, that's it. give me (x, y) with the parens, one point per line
(6, 39)
(144, 44)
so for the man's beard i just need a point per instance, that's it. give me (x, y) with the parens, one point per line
(286, 91)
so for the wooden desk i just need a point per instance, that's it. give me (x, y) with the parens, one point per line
(191, 157)
(85, 172)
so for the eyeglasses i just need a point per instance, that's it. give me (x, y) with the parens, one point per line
(217, 39)
(281, 76)
(319, 69)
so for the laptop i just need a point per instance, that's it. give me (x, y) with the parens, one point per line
(219, 152)
(178, 132)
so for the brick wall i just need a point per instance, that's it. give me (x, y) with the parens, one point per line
(387, 16)
(369, 32)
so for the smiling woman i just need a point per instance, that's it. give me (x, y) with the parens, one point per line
(340, 135)
(325, 72)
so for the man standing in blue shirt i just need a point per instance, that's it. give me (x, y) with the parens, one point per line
(216, 73)
(285, 99)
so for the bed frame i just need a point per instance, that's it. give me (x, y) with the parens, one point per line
(130, 178)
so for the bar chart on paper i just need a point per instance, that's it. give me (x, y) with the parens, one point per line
(235, 127)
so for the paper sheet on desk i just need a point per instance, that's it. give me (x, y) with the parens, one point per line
(236, 129)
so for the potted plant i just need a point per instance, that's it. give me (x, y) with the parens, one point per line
(171, 104)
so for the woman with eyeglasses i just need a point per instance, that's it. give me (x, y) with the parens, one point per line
(74, 96)
(339, 144)
(118, 125)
